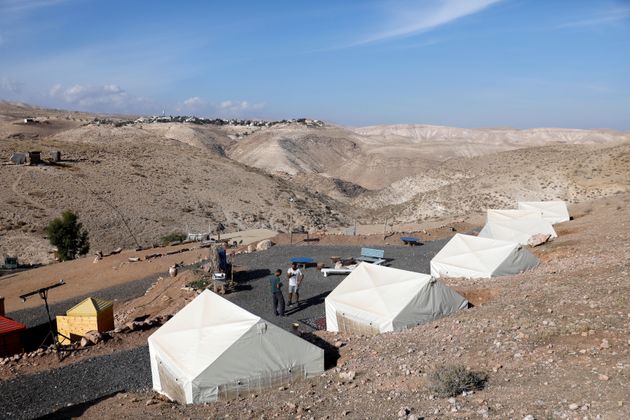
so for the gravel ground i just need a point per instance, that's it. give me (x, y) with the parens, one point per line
(89, 380)
(258, 299)
(36, 395)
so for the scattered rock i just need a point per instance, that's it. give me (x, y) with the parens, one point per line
(538, 239)
(93, 337)
(404, 411)
(348, 376)
(573, 406)
(264, 245)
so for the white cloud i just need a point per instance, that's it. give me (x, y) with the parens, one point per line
(408, 20)
(194, 102)
(237, 106)
(10, 85)
(108, 97)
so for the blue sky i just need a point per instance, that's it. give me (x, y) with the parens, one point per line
(466, 63)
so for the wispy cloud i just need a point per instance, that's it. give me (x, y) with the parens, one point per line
(108, 97)
(194, 103)
(405, 20)
(10, 85)
(613, 15)
(15, 6)
(237, 106)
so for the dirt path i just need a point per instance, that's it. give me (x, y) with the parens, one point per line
(18, 193)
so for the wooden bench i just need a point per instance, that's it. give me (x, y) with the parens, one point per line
(371, 255)
(410, 240)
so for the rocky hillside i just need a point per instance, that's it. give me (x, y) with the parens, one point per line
(133, 180)
(460, 186)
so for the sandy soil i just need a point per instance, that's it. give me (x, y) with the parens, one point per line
(83, 276)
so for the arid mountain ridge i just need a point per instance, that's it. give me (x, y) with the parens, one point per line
(136, 182)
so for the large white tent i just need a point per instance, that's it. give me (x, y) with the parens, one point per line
(213, 349)
(552, 211)
(375, 299)
(494, 215)
(515, 225)
(475, 257)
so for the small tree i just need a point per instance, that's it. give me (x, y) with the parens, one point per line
(69, 236)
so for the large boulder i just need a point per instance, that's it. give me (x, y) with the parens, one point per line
(93, 336)
(264, 245)
(538, 239)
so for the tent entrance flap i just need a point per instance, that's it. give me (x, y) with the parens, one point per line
(171, 386)
(268, 380)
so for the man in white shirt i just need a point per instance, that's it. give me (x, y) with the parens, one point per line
(295, 280)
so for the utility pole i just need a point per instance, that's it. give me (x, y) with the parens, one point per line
(291, 222)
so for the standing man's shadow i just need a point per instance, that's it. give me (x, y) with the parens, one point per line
(305, 303)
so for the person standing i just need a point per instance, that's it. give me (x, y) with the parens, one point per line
(296, 277)
(276, 290)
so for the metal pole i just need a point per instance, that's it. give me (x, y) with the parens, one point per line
(291, 222)
(44, 295)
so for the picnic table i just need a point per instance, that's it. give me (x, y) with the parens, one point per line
(410, 240)
(303, 261)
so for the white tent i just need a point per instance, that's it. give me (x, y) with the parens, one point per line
(375, 299)
(494, 215)
(515, 225)
(475, 257)
(552, 211)
(213, 349)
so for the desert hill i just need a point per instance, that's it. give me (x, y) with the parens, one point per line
(135, 180)
(132, 185)
(374, 157)
(569, 172)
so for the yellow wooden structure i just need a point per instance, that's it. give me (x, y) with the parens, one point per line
(92, 314)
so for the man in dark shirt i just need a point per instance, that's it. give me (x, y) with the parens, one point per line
(276, 290)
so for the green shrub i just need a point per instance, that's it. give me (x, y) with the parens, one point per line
(198, 284)
(173, 237)
(68, 235)
(452, 380)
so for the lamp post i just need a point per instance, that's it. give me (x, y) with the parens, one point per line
(291, 222)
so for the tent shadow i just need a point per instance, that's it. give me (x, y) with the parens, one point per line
(76, 410)
(331, 353)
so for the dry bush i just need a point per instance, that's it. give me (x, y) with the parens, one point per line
(452, 380)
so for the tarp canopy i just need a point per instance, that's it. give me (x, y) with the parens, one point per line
(388, 299)
(475, 257)
(552, 211)
(213, 349)
(515, 225)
